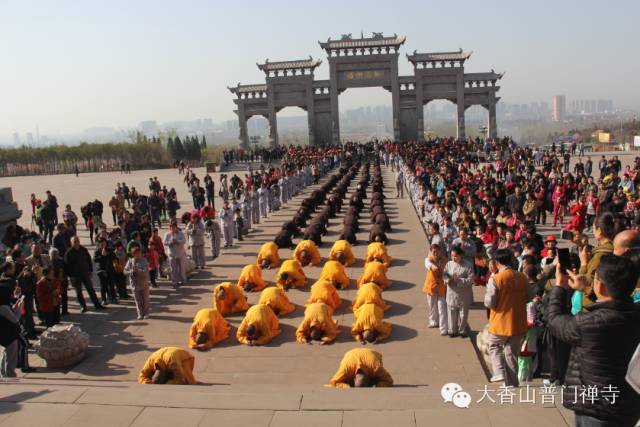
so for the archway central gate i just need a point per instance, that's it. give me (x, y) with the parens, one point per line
(366, 62)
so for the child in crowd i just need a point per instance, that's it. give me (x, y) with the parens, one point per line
(214, 233)
(238, 222)
(137, 270)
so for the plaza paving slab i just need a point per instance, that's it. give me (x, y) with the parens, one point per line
(277, 384)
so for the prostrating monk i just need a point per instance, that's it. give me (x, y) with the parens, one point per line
(208, 329)
(375, 272)
(361, 367)
(369, 293)
(336, 273)
(259, 326)
(377, 251)
(291, 275)
(317, 325)
(251, 279)
(268, 256)
(377, 234)
(277, 299)
(341, 252)
(368, 326)
(229, 298)
(168, 365)
(324, 291)
(307, 253)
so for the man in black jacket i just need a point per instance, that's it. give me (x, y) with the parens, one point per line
(80, 267)
(603, 339)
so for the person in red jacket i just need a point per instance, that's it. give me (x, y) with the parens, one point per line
(593, 207)
(48, 291)
(579, 213)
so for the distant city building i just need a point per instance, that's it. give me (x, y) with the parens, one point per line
(29, 140)
(149, 127)
(16, 139)
(559, 108)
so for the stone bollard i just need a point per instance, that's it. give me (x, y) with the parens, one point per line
(483, 346)
(62, 345)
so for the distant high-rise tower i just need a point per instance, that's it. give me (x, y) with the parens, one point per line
(559, 107)
(16, 139)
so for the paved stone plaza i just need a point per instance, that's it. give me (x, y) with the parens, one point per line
(278, 384)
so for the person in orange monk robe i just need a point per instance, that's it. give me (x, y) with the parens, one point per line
(369, 293)
(208, 329)
(277, 299)
(377, 251)
(168, 365)
(368, 326)
(259, 326)
(317, 325)
(268, 256)
(229, 298)
(307, 253)
(251, 279)
(324, 291)
(361, 367)
(291, 275)
(336, 273)
(375, 272)
(341, 251)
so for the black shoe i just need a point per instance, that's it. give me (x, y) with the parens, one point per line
(463, 335)
(28, 370)
(83, 310)
(100, 307)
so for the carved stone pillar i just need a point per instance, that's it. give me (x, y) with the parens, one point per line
(493, 125)
(335, 112)
(242, 122)
(460, 104)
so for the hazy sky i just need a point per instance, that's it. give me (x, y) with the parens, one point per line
(69, 65)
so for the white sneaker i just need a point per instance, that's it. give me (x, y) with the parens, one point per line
(140, 317)
(433, 325)
(497, 378)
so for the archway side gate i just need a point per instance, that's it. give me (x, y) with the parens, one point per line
(366, 62)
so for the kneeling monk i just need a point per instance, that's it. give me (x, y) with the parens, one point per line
(291, 275)
(259, 326)
(251, 279)
(361, 367)
(168, 365)
(369, 293)
(336, 273)
(341, 251)
(375, 272)
(369, 327)
(268, 256)
(208, 329)
(229, 298)
(307, 253)
(317, 325)
(324, 291)
(277, 299)
(377, 251)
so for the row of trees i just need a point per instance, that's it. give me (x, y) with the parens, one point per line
(142, 153)
(189, 149)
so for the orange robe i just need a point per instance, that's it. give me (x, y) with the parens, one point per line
(293, 268)
(369, 293)
(269, 251)
(434, 280)
(377, 250)
(324, 291)
(364, 359)
(312, 250)
(369, 316)
(263, 318)
(235, 301)
(318, 314)
(345, 247)
(175, 360)
(336, 273)
(211, 322)
(276, 298)
(252, 274)
(375, 272)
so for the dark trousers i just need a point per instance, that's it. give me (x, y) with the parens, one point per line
(48, 233)
(27, 317)
(51, 318)
(239, 225)
(107, 287)
(121, 285)
(85, 280)
(155, 218)
(153, 275)
(115, 217)
(541, 215)
(558, 359)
